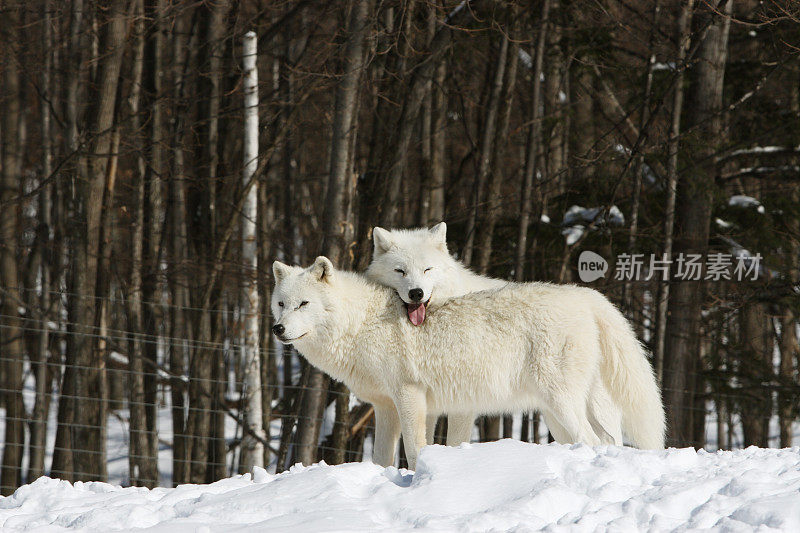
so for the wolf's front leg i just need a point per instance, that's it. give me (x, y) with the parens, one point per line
(412, 408)
(387, 431)
(459, 428)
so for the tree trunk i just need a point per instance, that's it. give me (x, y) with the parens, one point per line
(11, 332)
(485, 149)
(88, 374)
(143, 469)
(789, 345)
(755, 368)
(153, 216)
(684, 33)
(41, 407)
(203, 359)
(432, 206)
(63, 464)
(638, 167)
(252, 440)
(534, 149)
(695, 193)
(177, 278)
(335, 224)
(554, 75)
(494, 198)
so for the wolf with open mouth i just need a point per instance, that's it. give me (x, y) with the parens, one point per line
(417, 264)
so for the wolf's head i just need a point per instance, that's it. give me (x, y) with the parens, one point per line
(300, 299)
(412, 262)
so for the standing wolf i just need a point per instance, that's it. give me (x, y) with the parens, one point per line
(416, 263)
(562, 349)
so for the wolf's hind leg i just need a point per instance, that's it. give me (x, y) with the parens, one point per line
(459, 428)
(556, 429)
(573, 421)
(430, 428)
(387, 431)
(605, 417)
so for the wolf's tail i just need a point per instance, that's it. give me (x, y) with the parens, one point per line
(629, 378)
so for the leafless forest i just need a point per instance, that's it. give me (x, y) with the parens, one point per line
(134, 303)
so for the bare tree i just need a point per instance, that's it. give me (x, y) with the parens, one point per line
(684, 33)
(43, 375)
(63, 464)
(335, 220)
(10, 187)
(695, 192)
(143, 467)
(485, 149)
(180, 333)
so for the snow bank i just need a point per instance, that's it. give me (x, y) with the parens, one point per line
(507, 485)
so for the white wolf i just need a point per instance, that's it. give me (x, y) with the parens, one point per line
(563, 349)
(417, 264)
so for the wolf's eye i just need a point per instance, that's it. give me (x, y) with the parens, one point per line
(302, 304)
(427, 270)
(400, 271)
(280, 304)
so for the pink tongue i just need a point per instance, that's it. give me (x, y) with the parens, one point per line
(416, 313)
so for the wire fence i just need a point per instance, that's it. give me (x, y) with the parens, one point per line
(720, 407)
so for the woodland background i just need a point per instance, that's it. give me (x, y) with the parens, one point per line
(129, 291)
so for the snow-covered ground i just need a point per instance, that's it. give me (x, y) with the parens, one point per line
(501, 486)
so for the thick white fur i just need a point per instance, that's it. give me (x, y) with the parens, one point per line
(563, 349)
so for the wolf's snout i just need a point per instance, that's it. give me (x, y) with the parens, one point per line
(415, 295)
(278, 329)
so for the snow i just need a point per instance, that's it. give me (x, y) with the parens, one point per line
(118, 357)
(622, 149)
(577, 214)
(525, 57)
(501, 486)
(576, 217)
(756, 150)
(648, 174)
(664, 66)
(722, 223)
(573, 233)
(455, 11)
(740, 200)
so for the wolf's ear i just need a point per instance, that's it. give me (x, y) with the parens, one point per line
(280, 271)
(382, 240)
(438, 234)
(322, 269)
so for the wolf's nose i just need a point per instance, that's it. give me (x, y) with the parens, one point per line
(278, 329)
(415, 294)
